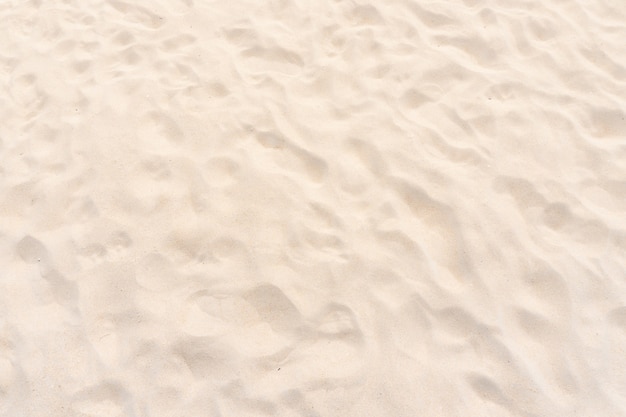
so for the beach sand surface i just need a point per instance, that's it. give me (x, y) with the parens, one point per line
(335, 208)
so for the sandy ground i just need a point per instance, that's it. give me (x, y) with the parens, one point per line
(312, 208)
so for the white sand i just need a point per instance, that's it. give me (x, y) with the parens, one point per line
(312, 208)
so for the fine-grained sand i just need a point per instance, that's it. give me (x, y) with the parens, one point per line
(333, 208)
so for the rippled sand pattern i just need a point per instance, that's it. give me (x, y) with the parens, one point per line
(312, 208)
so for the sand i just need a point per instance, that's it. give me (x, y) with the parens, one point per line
(312, 208)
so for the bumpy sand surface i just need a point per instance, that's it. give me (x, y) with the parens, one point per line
(391, 208)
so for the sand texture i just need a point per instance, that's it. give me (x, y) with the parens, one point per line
(334, 208)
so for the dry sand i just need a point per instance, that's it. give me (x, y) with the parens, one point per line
(312, 208)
